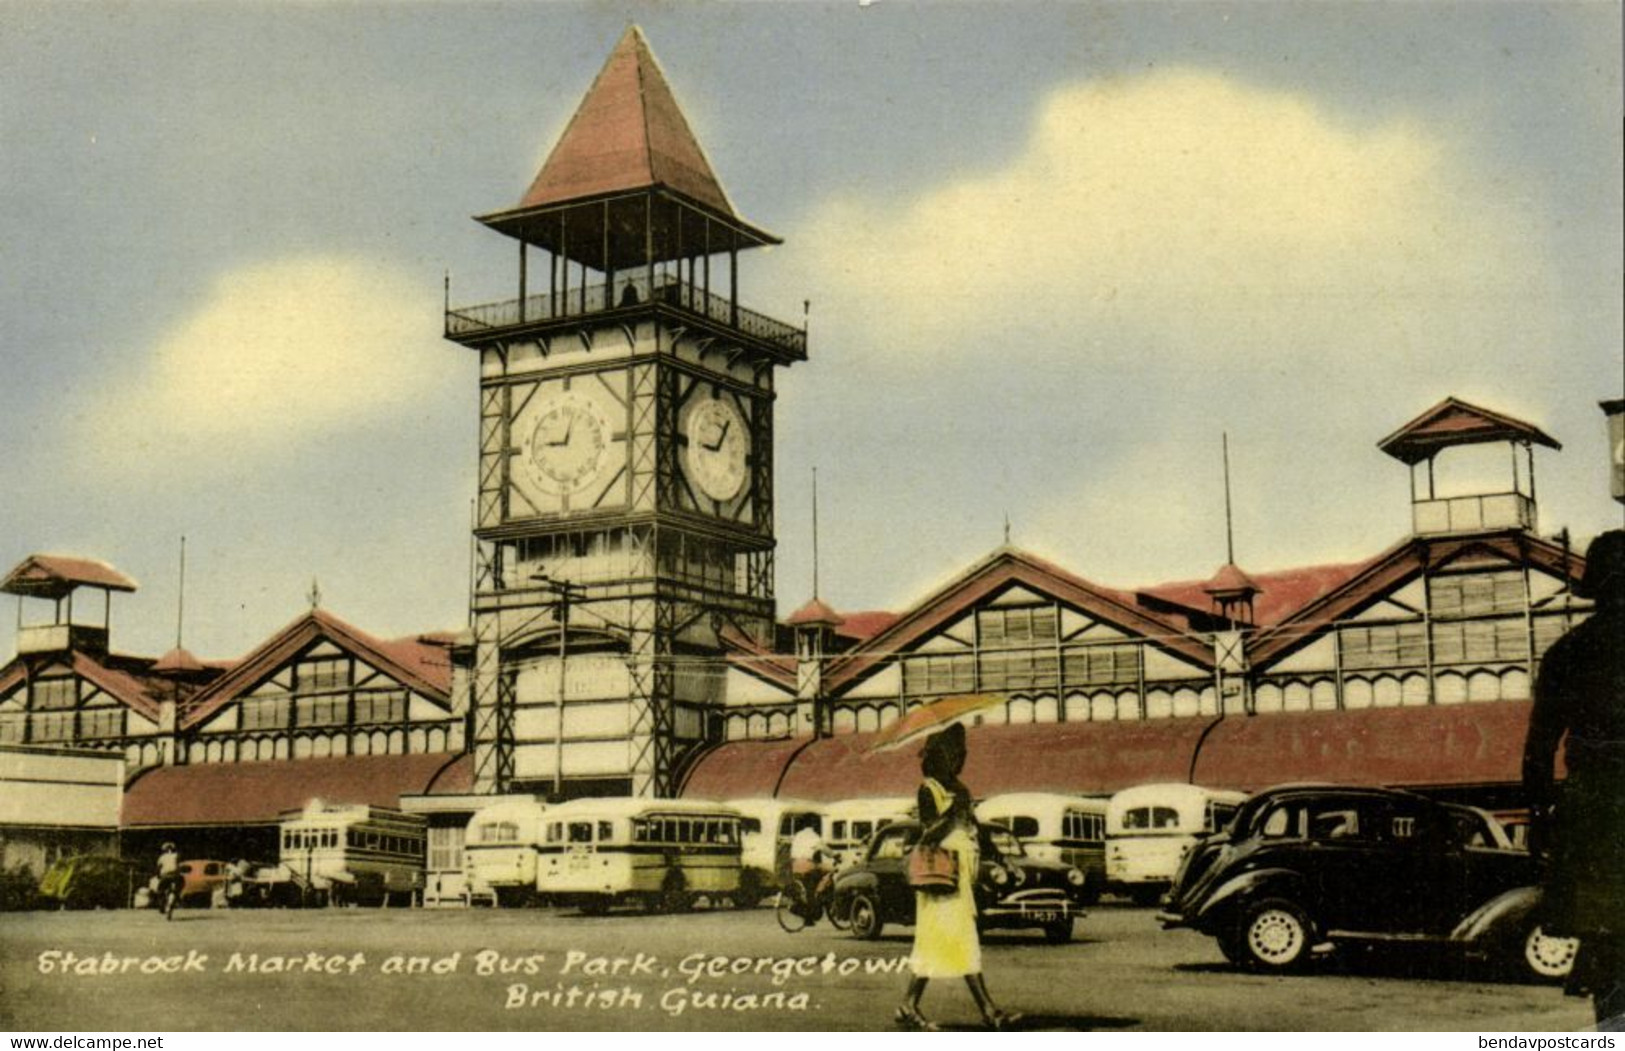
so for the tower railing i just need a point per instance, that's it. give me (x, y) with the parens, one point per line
(629, 292)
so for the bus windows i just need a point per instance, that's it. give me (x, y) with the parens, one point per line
(606, 831)
(1023, 826)
(580, 831)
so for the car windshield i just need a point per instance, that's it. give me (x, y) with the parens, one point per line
(1003, 841)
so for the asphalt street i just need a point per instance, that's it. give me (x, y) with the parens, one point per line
(401, 969)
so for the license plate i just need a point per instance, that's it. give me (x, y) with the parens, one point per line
(1045, 915)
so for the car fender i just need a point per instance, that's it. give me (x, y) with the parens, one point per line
(1505, 912)
(1239, 889)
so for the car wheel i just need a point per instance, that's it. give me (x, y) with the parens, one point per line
(1058, 932)
(865, 916)
(1275, 935)
(1546, 957)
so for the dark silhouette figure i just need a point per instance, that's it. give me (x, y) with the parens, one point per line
(946, 943)
(1580, 825)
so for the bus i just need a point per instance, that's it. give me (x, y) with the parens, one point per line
(849, 823)
(1150, 828)
(1069, 829)
(351, 854)
(500, 851)
(766, 828)
(661, 854)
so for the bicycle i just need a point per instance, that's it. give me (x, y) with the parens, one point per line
(796, 912)
(169, 896)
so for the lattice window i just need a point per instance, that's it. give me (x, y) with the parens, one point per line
(102, 722)
(55, 693)
(1101, 665)
(446, 848)
(12, 727)
(1383, 646)
(264, 713)
(939, 673)
(52, 726)
(1000, 628)
(380, 706)
(1476, 594)
(1479, 641)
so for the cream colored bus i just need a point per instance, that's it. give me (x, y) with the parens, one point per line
(660, 854)
(500, 851)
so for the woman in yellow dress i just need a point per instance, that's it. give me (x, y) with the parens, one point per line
(946, 944)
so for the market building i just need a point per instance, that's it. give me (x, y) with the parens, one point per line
(625, 635)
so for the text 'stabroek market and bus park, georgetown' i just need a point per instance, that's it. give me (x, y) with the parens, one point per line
(581, 804)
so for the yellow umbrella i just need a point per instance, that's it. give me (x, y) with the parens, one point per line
(927, 719)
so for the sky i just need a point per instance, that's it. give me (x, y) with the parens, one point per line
(1056, 255)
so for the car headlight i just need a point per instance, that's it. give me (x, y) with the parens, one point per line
(999, 876)
(1018, 875)
(1074, 877)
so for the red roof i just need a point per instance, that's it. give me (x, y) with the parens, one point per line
(1469, 744)
(1278, 594)
(865, 624)
(627, 134)
(255, 793)
(52, 576)
(814, 612)
(424, 666)
(1455, 422)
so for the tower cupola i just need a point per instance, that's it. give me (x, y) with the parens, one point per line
(1450, 495)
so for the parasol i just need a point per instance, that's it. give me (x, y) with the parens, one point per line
(929, 718)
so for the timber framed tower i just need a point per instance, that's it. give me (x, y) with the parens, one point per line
(624, 516)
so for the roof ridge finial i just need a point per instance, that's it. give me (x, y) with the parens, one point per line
(314, 595)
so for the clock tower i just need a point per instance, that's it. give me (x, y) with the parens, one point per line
(624, 519)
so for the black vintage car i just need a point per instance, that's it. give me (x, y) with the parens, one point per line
(1305, 865)
(1012, 890)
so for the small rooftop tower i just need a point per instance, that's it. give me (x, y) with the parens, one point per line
(1437, 506)
(56, 579)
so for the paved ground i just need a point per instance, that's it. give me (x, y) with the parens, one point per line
(516, 969)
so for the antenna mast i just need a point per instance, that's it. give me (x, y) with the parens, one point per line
(815, 529)
(1229, 535)
(180, 600)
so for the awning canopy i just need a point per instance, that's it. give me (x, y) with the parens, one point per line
(1421, 747)
(256, 793)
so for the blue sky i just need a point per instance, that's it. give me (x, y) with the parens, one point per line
(1053, 252)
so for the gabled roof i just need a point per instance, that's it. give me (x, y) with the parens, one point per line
(1433, 746)
(52, 576)
(256, 793)
(423, 666)
(1009, 567)
(1455, 422)
(1391, 570)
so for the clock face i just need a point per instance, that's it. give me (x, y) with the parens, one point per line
(564, 449)
(718, 448)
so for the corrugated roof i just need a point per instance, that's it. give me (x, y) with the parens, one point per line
(1435, 746)
(1279, 593)
(255, 793)
(52, 576)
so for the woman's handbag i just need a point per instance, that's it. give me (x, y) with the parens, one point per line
(933, 869)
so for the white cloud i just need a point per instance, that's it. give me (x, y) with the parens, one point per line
(1188, 213)
(273, 359)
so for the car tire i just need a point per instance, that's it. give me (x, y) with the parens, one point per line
(865, 916)
(1145, 896)
(1543, 957)
(1058, 932)
(1275, 935)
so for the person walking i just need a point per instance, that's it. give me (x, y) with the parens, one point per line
(1580, 827)
(946, 943)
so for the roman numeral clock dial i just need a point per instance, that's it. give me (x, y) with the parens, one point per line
(564, 447)
(717, 457)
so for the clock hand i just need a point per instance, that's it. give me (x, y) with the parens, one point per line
(564, 439)
(722, 432)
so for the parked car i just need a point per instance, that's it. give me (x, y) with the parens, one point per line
(90, 881)
(1012, 889)
(1305, 865)
(202, 881)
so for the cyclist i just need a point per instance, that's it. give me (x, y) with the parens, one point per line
(811, 866)
(169, 873)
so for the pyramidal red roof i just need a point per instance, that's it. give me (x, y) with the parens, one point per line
(816, 611)
(627, 134)
(1455, 422)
